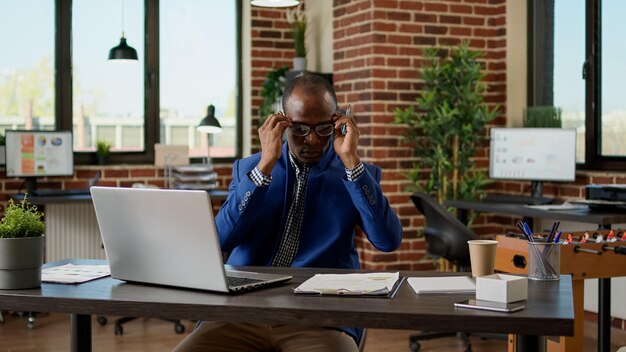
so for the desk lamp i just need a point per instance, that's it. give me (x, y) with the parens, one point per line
(209, 125)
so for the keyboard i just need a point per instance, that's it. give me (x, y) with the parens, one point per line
(507, 198)
(240, 281)
(59, 192)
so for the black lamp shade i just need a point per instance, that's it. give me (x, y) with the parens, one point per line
(209, 123)
(123, 52)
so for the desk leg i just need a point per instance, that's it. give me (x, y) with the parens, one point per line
(80, 325)
(530, 343)
(575, 343)
(604, 315)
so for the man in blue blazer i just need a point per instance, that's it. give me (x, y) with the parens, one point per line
(297, 204)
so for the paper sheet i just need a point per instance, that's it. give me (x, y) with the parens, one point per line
(350, 284)
(442, 284)
(74, 274)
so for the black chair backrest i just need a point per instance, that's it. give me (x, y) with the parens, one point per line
(445, 235)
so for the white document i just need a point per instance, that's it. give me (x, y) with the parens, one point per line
(564, 206)
(74, 274)
(350, 284)
(442, 284)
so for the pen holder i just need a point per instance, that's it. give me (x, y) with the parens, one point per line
(544, 261)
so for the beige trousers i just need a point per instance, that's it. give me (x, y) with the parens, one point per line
(218, 336)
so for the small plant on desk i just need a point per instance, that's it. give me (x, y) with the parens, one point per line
(21, 245)
(103, 149)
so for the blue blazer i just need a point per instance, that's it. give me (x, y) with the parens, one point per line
(251, 222)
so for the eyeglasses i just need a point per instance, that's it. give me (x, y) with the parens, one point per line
(323, 130)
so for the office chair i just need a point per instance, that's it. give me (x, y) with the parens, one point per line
(446, 237)
(179, 328)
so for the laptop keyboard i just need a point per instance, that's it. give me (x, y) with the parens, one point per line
(240, 281)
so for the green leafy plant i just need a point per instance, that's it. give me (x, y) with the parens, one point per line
(21, 220)
(542, 116)
(2, 139)
(297, 20)
(271, 91)
(447, 126)
(103, 148)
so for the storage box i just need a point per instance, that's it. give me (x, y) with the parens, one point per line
(501, 288)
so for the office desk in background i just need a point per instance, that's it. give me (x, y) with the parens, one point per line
(549, 309)
(72, 228)
(604, 220)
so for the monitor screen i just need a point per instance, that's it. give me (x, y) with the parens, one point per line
(39, 153)
(534, 154)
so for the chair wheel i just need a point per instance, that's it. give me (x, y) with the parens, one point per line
(179, 328)
(414, 346)
(102, 321)
(31, 322)
(119, 330)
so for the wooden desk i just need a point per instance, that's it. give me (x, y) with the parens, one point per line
(604, 220)
(549, 309)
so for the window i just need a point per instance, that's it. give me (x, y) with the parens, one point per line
(569, 56)
(27, 65)
(107, 95)
(197, 69)
(58, 62)
(587, 34)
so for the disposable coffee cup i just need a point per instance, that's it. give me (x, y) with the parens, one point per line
(482, 257)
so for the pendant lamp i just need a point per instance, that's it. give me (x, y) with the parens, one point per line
(274, 3)
(123, 51)
(209, 123)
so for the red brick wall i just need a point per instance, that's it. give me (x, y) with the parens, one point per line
(378, 52)
(272, 48)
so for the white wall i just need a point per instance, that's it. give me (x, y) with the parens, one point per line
(246, 53)
(516, 65)
(319, 35)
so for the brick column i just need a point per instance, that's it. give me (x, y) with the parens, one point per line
(378, 52)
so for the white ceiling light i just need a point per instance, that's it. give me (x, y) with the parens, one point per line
(275, 3)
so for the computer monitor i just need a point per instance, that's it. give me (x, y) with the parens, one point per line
(533, 154)
(32, 154)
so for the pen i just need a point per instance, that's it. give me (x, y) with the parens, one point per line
(528, 232)
(344, 129)
(558, 237)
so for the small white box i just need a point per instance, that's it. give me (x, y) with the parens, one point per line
(501, 288)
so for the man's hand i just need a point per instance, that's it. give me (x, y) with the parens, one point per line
(271, 134)
(346, 145)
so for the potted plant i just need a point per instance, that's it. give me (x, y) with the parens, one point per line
(542, 116)
(448, 125)
(297, 20)
(102, 152)
(271, 92)
(21, 246)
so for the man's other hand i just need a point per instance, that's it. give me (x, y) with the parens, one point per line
(270, 135)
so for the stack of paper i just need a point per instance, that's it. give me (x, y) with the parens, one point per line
(74, 274)
(350, 284)
(442, 284)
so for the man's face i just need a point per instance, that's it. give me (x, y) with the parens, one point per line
(315, 111)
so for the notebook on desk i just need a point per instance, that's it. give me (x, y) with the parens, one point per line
(167, 237)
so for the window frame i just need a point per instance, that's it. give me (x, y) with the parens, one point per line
(543, 57)
(63, 85)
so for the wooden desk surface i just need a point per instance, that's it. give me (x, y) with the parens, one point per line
(549, 309)
(580, 215)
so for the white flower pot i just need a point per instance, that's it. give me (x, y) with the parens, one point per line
(299, 63)
(20, 262)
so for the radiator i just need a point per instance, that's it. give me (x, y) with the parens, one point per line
(72, 232)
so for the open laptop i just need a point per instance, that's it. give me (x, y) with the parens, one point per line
(167, 237)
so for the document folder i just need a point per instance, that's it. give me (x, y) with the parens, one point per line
(366, 285)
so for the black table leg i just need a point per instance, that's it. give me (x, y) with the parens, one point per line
(530, 343)
(604, 315)
(80, 337)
